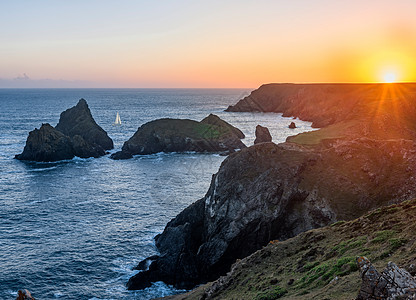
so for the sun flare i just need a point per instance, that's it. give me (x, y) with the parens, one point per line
(389, 77)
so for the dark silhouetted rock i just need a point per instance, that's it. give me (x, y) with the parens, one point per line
(76, 134)
(292, 125)
(24, 295)
(262, 135)
(174, 135)
(392, 283)
(47, 144)
(79, 121)
(84, 149)
(121, 155)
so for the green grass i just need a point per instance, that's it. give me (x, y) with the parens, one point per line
(382, 236)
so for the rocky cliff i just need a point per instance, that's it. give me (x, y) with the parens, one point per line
(320, 264)
(77, 134)
(175, 135)
(326, 104)
(270, 191)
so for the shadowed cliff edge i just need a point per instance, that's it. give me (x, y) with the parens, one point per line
(362, 158)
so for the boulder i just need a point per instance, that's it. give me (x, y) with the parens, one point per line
(392, 283)
(47, 144)
(262, 135)
(292, 125)
(79, 121)
(181, 135)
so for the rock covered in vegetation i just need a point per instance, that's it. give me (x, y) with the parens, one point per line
(180, 135)
(270, 191)
(390, 284)
(76, 134)
(47, 144)
(262, 135)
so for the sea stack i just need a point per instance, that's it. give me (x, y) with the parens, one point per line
(262, 135)
(77, 134)
(292, 125)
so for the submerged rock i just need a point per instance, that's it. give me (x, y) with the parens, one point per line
(262, 135)
(47, 144)
(390, 284)
(180, 135)
(76, 134)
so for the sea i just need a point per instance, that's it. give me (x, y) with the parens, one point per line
(75, 229)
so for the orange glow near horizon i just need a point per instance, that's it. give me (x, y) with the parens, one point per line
(207, 44)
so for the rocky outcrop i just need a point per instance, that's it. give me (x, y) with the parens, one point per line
(76, 134)
(47, 144)
(24, 295)
(392, 283)
(270, 191)
(79, 121)
(174, 135)
(292, 125)
(262, 135)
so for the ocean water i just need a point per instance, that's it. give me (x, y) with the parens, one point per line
(75, 229)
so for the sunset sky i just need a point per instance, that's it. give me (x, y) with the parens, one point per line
(204, 43)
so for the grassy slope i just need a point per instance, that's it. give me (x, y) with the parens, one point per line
(305, 267)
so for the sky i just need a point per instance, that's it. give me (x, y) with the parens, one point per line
(196, 44)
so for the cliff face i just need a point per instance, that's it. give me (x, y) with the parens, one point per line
(321, 263)
(326, 104)
(270, 191)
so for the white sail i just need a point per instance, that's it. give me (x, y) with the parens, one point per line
(118, 120)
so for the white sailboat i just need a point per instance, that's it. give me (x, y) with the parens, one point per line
(118, 120)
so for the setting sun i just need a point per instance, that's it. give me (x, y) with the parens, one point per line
(389, 77)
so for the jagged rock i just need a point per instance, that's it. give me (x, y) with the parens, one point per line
(292, 125)
(79, 121)
(262, 135)
(174, 135)
(392, 283)
(47, 144)
(272, 192)
(76, 134)
(24, 295)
